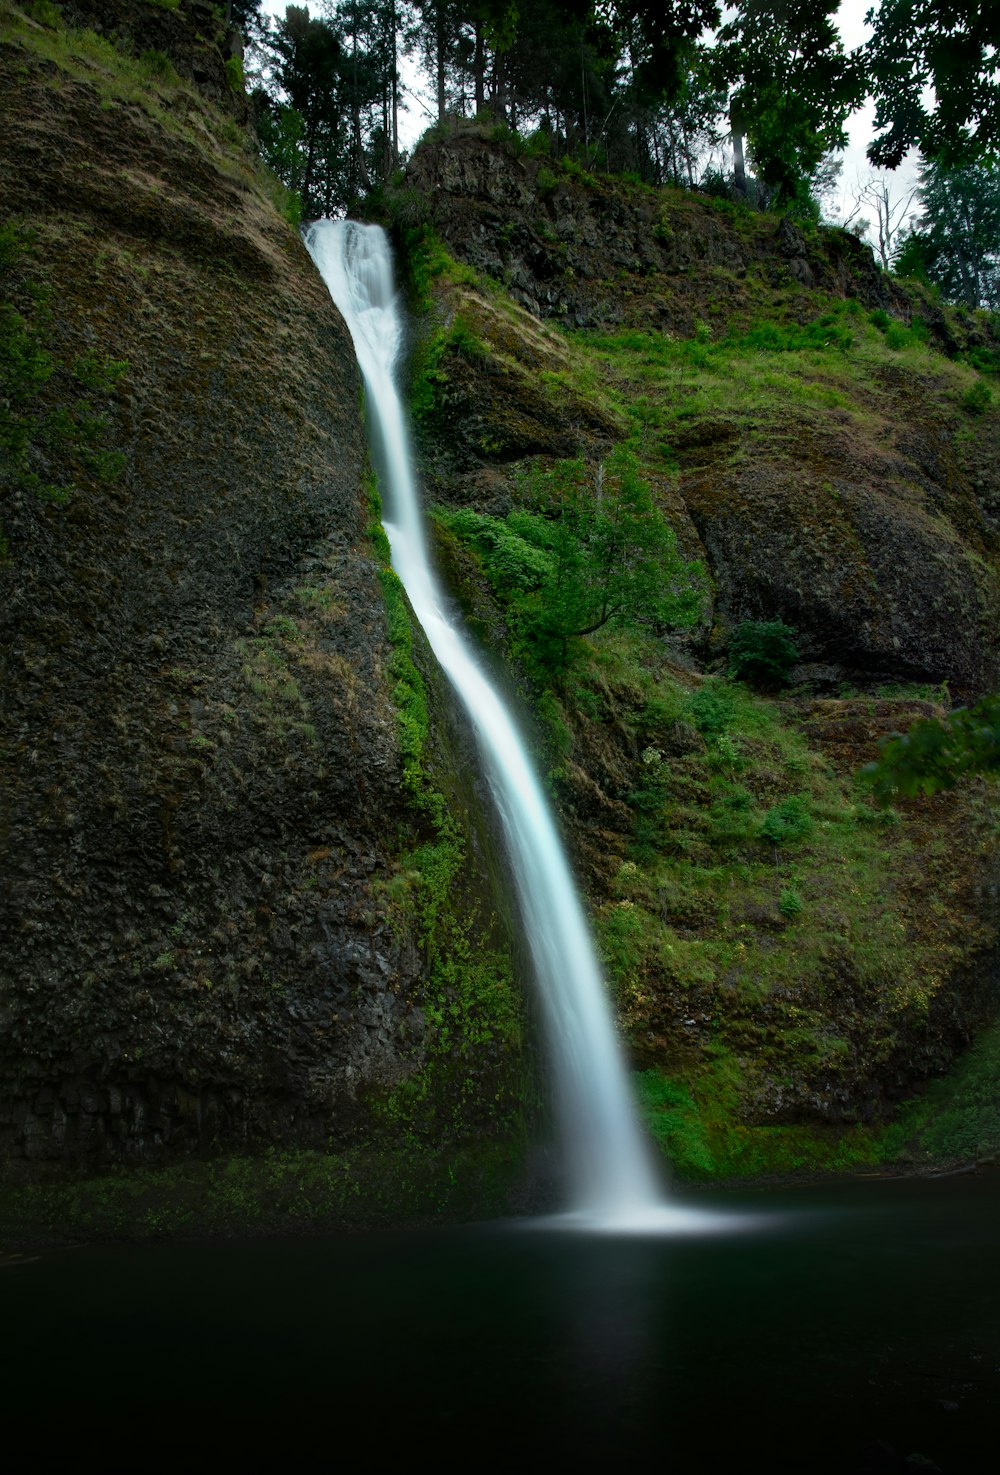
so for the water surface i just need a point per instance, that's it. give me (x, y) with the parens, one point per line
(829, 1320)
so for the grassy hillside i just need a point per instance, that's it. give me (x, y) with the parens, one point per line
(789, 962)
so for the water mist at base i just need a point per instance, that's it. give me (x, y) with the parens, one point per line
(613, 1182)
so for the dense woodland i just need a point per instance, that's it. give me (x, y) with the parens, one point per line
(750, 102)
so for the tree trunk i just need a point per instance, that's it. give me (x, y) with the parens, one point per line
(479, 67)
(395, 87)
(738, 127)
(440, 44)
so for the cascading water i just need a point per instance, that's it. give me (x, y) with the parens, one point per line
(613, 1182)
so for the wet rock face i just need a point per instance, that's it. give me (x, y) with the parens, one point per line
(200, 780)
(590, 252)
(883, 571)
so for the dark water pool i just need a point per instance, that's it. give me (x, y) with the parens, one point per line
(839, 1330)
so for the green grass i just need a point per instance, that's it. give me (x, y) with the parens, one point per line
(150, 85)
(754, 377)
(807, 932)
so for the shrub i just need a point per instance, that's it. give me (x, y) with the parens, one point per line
(158, 64)
(977, 399)
(790, 903)
(234, 74)
(594, 550)
(763, 652)
(545, 182)
(788, 822)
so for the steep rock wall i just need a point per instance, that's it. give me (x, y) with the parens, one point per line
(202, 785)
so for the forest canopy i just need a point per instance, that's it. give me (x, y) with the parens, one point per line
(750, 99)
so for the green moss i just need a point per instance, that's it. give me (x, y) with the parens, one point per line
(699, 1131)
(276, 1192)
(150, 85)
(54, 433)
(957, 1119)
(466, 1064)
(234, 75)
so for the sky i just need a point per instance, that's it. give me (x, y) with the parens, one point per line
(853, 30)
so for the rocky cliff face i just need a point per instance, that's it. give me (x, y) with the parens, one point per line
(202, 787)
(862, 511)
(810, 431)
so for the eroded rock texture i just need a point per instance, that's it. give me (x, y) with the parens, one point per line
(200, 777)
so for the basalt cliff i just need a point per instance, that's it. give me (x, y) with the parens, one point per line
(220, 877)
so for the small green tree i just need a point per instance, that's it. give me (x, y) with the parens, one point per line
(762, 652)
(592, 549)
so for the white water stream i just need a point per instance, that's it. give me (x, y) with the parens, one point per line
(613, 1183)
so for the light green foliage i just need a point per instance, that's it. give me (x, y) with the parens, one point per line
(936, 753)
(234, 74)
(790, 903)
(427, 367)
(702, 1136)
(746, 380)
(151, 85)
(590, 548)
(755, 880)
(787, 823)
(44, 12)
(672, 1119)
(158, 64)
(977, 399)
(546, 182)
(896, 335)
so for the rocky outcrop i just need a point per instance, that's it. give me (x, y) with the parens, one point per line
(829, 471)
(200, 776)
(860, 508)
(590, 250)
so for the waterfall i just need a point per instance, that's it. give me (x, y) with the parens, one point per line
(612, 1179)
